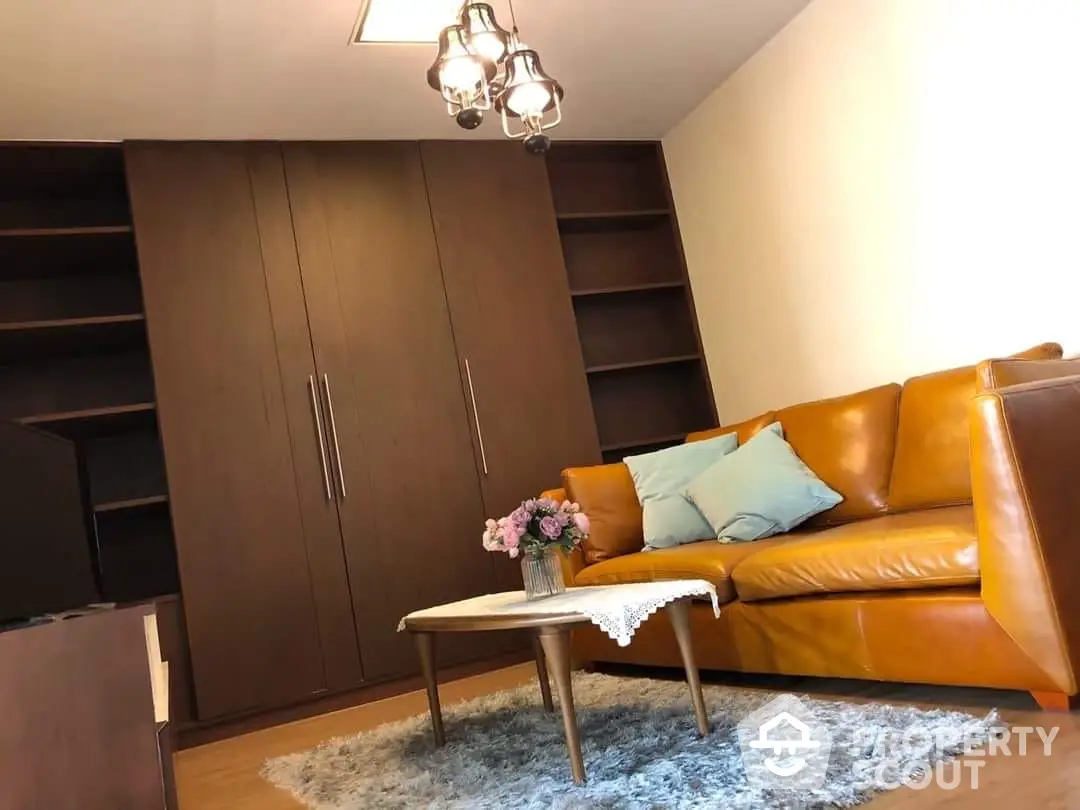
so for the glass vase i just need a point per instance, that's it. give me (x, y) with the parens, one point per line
(542, 573)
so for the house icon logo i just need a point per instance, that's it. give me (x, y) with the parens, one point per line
(793, 764)
(784, 747)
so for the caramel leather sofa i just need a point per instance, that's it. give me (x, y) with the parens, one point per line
(953, 559)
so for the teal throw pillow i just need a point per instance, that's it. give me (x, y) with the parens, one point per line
(761, 489)
(667, 518)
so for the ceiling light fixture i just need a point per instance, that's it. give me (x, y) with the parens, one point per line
(480, 65)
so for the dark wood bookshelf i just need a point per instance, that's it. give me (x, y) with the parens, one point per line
(74, 355)
(633, 364)
(631, 297)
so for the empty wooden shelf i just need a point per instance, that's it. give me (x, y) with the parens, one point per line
(70, 336)
(649, 363)
(91, 230)
(632, 302)
(90, 421)
(622, 289)
(131, 503)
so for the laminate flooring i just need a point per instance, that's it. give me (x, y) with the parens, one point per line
(225, 775)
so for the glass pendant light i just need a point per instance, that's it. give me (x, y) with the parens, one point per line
(461, 77)
(480, 66)
(486, 38)
(529, 94)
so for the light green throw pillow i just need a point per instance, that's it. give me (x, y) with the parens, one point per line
(667, 518)
(761, 489)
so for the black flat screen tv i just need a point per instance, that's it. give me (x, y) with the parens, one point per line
(45, 560)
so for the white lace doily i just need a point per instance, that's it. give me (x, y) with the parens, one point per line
(618, 610)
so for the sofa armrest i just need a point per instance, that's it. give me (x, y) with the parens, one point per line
(1025, 454)
(574, 561)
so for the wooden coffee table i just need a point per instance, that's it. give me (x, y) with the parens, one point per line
(551, 644)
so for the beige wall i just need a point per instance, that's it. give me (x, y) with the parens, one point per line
(888, 187)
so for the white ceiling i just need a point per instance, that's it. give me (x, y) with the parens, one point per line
(282, 69)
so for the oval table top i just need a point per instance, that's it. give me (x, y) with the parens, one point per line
(617, 609)
(498, 611)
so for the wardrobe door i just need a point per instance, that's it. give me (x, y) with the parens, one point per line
(409, 498)
(262, 569)
(513, 319)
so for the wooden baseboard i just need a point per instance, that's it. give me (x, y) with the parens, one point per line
(190, 735)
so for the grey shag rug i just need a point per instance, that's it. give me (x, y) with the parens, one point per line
(641, 752)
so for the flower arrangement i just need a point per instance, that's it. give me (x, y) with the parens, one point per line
(537, 525)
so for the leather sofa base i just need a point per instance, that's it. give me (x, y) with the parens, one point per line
(943, 637)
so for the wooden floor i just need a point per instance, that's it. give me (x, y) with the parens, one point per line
(225, 774)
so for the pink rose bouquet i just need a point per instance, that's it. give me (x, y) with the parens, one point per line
(537, 525)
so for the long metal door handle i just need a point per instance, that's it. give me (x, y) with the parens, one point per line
(320, 437)
(476, 416)
(333, 434)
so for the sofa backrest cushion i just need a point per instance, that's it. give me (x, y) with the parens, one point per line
(606, 495)
(744, 430)
(932, 466)
(848, 442)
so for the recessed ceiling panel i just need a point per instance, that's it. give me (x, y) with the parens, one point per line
(404, 20)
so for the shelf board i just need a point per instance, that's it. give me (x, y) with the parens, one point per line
(71, 323)
(591, 216)
(28, 339)
(630, 445)
(91, 421)
(90, 230)
(651, 363)
(601, 221)
(628, 288)
(130, 503)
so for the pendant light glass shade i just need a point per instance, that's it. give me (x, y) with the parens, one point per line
(462, 78)
(529, 91)
(528, 95)
(486, 38)
(456, 69)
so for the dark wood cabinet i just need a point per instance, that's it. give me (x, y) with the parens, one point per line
(513, 321)
(360, 351)
(235, 422)
(408, 495)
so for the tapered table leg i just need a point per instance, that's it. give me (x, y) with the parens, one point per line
(555, 642)
(542, 674)
(679, 613)
(425, 645)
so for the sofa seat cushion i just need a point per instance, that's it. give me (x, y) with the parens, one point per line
(708, 560)
(933, 548)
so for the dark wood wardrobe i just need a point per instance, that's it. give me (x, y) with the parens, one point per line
(360, 350)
